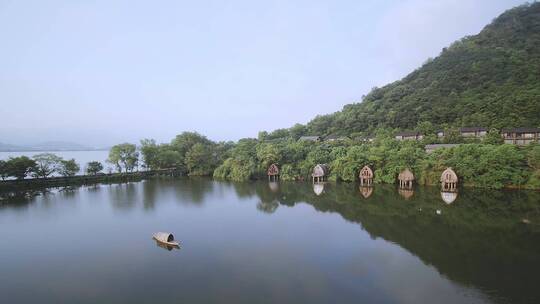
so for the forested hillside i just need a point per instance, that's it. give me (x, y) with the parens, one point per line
(491, 79)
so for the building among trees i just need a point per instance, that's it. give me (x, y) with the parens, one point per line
(311, 138)
(520, 136)
(473, 132)
(409, 136)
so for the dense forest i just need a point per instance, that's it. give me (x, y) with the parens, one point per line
(489, 80)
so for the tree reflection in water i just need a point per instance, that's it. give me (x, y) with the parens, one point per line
(479, 240)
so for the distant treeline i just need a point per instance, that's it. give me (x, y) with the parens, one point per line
(44, 165)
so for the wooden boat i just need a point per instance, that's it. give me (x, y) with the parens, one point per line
(165, 238)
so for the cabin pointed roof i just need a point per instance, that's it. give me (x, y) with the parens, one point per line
(320, 170)
(406, 175)
(273, 169)
(449, 176)
(366, 172)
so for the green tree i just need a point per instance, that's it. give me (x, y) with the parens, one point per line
(169, 159)
(199, 160)
(182, 143)
(20, 167)
(149, 152)
(533, 157)
(3, 170)
(46, 164)
(123, 156)
(93, 168)
(69, 167)
(493, 137)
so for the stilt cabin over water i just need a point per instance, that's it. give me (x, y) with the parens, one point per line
(273, 172)
(406, 178)
(449, 180)
(366, 176)
(320, 173)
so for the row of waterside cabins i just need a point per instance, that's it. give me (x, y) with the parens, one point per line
(449, 178)
(516, 136)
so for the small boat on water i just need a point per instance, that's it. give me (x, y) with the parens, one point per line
(165, 238)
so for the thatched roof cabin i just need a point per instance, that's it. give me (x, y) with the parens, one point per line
(320, 172)
(366, 176)
(449, 179)
(273, 170)
(406, 175)
(406, 178)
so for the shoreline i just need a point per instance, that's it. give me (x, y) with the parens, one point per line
(65, 181)
(104, 178)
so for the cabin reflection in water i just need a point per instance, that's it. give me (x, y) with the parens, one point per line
(274, 186)
(406, 193)
(448, 197)
(318, 188)
(365, 191)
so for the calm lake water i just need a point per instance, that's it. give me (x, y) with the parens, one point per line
(268, 243)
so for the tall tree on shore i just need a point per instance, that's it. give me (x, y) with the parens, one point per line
(94, 167)
(69, 167)
(124, 156)
(3, 170)
(19, 167)
(46, 164)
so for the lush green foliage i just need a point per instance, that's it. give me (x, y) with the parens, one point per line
(480, 165)
(124, 156)
(19, 167)
(189, 153)
(93, 168)
(3, 170)
(69, 167)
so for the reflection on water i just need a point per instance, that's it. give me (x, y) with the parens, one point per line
(366, 191)
(166, 247)
(407, 193)
(269, 242)
(449, 197)
(318, 188)
(274, 186)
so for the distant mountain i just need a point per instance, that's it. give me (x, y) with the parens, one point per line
(60, 146)
(46, 146)
(9, 148)
(491, 79)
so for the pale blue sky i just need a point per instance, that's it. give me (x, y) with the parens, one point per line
(102, 72)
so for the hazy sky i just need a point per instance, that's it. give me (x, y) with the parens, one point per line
(102, 72)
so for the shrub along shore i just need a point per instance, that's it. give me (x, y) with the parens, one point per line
(478, 164)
